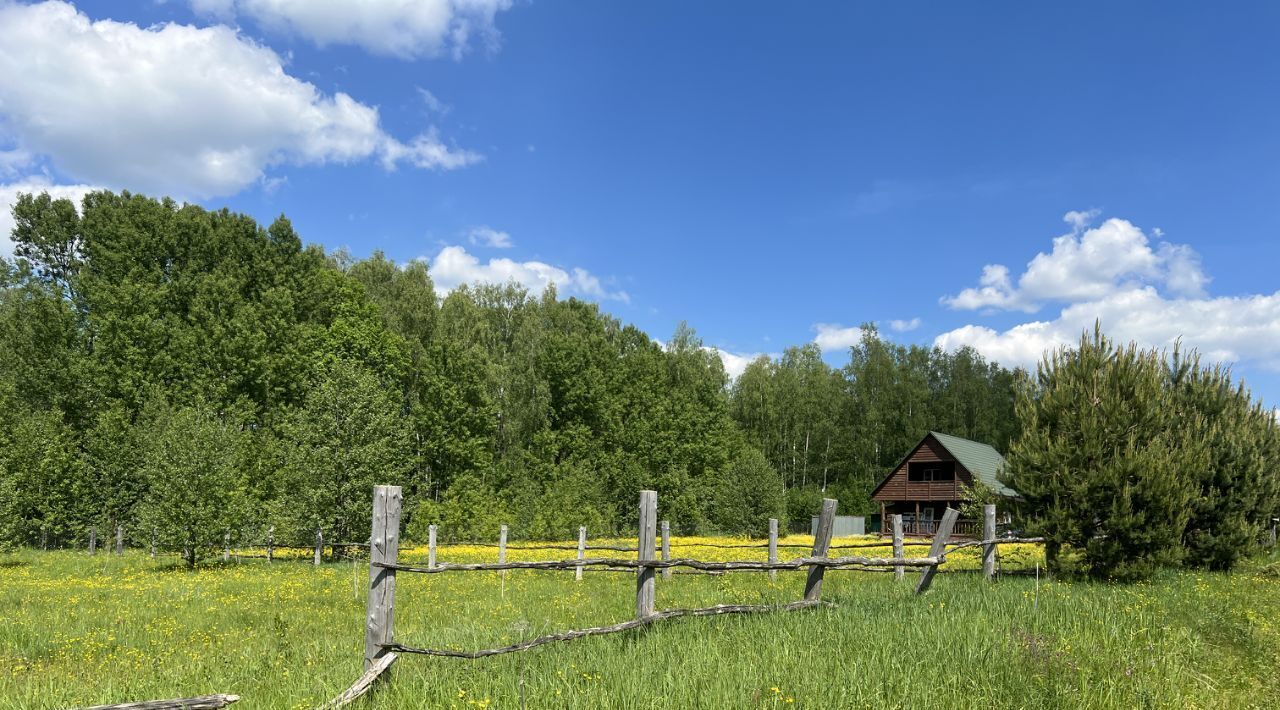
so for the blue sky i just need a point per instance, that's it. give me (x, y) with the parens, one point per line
(995, 175)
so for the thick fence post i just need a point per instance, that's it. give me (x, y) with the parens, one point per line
(773, 546)
(93, 540)
(226, 546)
(645, 552)
(431, 547)
(989, 550)
(153, 543)
(319, 546)
(44, 538)
(384, 548)
(119, 539)
(821, 543)
(666, 547)
(898, 547)
(938, 548)
(582, 551)
(271, 543)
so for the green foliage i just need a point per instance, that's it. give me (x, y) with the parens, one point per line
(747, 495)
(196, 489)
(1135, 462)
(346, 437)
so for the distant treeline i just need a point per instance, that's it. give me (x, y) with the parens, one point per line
(184, 372)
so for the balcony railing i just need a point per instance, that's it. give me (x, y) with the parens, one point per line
(928, 528)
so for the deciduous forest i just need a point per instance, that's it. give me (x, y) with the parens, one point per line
(185, 371)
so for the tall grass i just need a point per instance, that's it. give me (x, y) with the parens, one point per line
(76, 629)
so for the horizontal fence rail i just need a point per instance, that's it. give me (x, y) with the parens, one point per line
(613, 629)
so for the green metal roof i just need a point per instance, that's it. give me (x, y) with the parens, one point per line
(982, 460)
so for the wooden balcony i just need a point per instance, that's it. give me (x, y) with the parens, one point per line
(928, 528)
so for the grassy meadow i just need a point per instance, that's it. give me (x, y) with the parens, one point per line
(79, 630)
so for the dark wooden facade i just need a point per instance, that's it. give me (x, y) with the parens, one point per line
(922, 502)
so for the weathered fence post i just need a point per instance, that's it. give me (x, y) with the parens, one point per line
(44, 538)
(384, 548)
(226, 545)
(153, 543)
(431, 547)
(773, 546)
(119, 540)
(938, 548)
(898, 547)
(989, 550)
(582, 551)
(319, 546)
(645, 552)
(821, 543)
(93, 540)
(271, 543)
(666, 547)
(502, 551)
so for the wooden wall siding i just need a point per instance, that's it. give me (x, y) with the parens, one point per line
(899, 488)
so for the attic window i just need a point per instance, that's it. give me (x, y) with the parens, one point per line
(929, 471)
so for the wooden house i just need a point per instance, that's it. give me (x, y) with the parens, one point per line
(934, 475)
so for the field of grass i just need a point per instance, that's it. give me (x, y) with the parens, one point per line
(78, 630)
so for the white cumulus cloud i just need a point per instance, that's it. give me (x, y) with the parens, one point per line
(833, 336)
(196, 111)
(735, 363)
(903, 326)
(454, 267)
(1087, 264)
(407, 29)
(1150, 296)
(35, 185)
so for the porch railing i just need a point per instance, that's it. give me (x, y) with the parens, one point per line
(963, 528)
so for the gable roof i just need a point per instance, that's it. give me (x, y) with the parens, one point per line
(983, 461)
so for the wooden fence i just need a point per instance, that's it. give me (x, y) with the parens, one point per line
(381, 645)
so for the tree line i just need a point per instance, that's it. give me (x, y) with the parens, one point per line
(186, 372)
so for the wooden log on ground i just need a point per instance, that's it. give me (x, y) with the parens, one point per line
(821, 541)
(773, 546)
(362, 685)
(599, 630)
(203, 702)
(898, 571)
(989, 550)
(582, 551)
(384, 549)
(938, 549)
(648, 531)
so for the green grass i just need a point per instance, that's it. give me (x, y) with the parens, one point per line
(81, 630)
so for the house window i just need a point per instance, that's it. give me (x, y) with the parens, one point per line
(929, 471)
